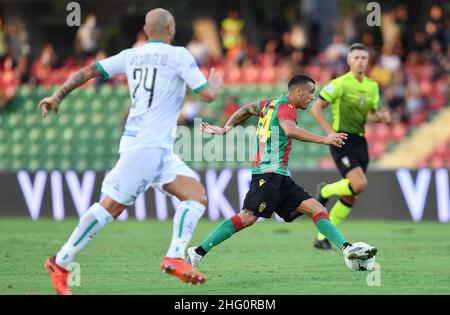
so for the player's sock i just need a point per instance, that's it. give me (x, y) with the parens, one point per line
(186, 218)
(90, 223)
(341, 187)
(338, 213)
(222, 232)
(328, 229)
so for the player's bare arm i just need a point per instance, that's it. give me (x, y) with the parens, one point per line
(292, 131)
(83, 75)
(317, 113)
(215, 83)
(383, 116)
(241, 115)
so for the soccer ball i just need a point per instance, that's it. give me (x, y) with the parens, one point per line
(360, 264)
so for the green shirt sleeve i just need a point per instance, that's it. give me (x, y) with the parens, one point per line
(331, 91)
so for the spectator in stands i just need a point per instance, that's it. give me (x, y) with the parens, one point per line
(231, 106)
(420, 43)
(368, 40)
(286, 48)
(402, 22)
(3, 43)
(297, 60)
(270, 55)
(435, 26)
(190, 110)
(241, 52)
(389, 60)
(42, 68)
(337, 50)
(395, 97)
(414, 99)
(9, 81)
(87, 41)
(231, 30)
(199, 50)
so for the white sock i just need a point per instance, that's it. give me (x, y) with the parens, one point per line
(90, 223)
(186, 218)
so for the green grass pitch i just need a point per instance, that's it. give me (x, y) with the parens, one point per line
(268, 258)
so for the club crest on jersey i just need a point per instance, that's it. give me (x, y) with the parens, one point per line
(329, 88)
(261, 182)
(290, 105)
(262, 206)
(362, 101)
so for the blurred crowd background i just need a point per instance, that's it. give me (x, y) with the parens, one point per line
(251, 43)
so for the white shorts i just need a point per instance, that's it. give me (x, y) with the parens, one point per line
(137, 170)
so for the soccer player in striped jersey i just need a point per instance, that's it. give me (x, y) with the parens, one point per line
(272, 190)
(157, 75)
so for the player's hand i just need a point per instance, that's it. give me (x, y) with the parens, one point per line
(336, 139)
(214, 130)
(385, 116)
(48, 104)
(214, 79)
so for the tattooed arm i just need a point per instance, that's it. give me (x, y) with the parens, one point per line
(241, 115)
(76, 80)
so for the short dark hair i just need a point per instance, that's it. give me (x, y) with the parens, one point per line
(356, 46)
(299, 79)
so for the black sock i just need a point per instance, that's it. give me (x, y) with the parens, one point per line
(199, 250)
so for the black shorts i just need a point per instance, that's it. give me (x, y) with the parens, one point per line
(353, 154)
(273, 192)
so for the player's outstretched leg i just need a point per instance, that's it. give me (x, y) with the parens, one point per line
(90, 223)
(318, 213)
(221, 233)
(339, 211)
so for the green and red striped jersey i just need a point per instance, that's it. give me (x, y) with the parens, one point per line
(272, 144)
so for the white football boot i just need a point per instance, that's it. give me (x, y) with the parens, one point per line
(192, 257)
(359, 250)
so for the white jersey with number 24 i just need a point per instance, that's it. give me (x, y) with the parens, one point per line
(157, 74)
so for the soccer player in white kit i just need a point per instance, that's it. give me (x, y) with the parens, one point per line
(157, 75)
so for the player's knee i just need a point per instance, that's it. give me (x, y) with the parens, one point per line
(203, 199)
(317, 210)
(247, 219)
(359, 187)
(321, 209)
(199, 197)
(349, 200)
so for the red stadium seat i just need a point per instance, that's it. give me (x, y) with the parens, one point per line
(369, 132)
(377, 149)
(326, 163)
(418, 118)
(382, 132)
(399, 131)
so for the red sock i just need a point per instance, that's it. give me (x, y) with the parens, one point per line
(237, 222)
